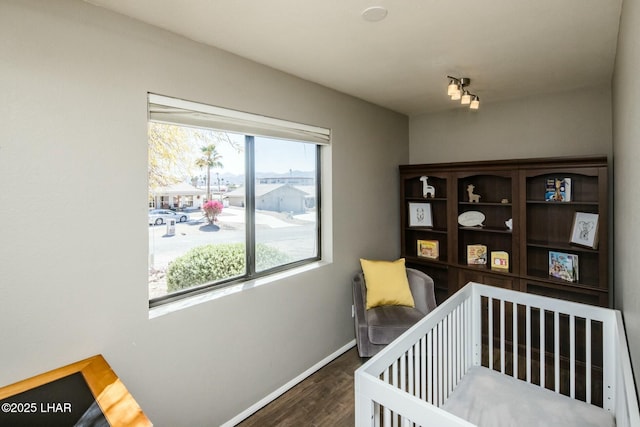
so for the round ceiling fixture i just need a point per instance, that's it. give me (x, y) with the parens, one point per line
(374, 13)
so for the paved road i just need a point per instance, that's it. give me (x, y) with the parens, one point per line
(295, 236)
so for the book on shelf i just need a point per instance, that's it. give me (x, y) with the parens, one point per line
(563, 266)
(429, 249)
(500, 260)
(558, 190)
(476, 255)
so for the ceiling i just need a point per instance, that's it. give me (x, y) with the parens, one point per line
(509, 48)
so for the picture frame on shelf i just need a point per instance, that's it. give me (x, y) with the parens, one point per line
(585, 230)
(563, 266)
(420, 215)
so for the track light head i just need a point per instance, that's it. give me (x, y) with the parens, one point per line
(466, 98)
(453, 87)
(475, 102)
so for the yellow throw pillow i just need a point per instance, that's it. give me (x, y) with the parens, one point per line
(387, 283)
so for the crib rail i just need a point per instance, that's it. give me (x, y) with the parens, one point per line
(572, 349)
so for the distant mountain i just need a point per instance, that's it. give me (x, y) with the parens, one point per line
(239, 179)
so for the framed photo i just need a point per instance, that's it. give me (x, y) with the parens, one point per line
(420, 215)
(585, 229)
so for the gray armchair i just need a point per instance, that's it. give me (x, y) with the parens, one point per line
(378, 326)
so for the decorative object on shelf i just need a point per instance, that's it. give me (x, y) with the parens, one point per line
(457, 91)
(471, 219)
(427, 190)
(500, 260)
(420, 215)
(585, 229)
(473, 198)
(429, 249)
(558, 190)
(509, 223)
(563, 266)
(476, 254)
(504, 201)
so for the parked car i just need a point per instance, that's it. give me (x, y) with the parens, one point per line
(160, 216)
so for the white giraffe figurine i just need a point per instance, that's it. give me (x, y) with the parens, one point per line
(427, 190)
(472, 196)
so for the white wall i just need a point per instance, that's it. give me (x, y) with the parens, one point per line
(626, 158)
(563, 124)
(73, 194)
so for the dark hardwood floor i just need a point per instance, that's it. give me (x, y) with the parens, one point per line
(326, 398)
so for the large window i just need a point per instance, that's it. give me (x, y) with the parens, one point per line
(232, 196)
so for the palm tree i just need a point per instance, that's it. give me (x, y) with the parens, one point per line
(210, 159)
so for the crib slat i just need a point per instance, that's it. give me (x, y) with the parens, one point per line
(423, 374)
(469, 335)
(502, 352)
(441, 361)
(454, 349)
(403, 372)
(543, 368)
(450, 355)
(528, 333)
(572, 356)
(429, 392)
(556, 350)
(418, 367)
(394, 374)
(376, 415)
(409, 375)
(490, 331)
(438, 393)
(447, 358)
(386, 413)
(588, 359)
(394, 379)
(514, 308)
(459, 350)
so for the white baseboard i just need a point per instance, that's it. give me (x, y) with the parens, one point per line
(273, 396)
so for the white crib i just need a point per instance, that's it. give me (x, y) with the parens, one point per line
(574, 354)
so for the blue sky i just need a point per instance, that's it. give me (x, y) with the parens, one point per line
(272, 155)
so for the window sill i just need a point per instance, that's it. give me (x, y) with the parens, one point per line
(230, 290)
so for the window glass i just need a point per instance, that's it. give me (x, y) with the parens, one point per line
(226, 206)
(196, 235)
(285, 202)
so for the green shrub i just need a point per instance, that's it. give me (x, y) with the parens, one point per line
(210, 263)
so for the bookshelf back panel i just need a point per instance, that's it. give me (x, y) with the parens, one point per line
(588, 271)
(493, 242)
(490, 188)
(411, 242)
(584, 188)
(552, 222)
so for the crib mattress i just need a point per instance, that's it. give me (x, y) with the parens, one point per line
(490, 399)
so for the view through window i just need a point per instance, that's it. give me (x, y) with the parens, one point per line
(225, 206)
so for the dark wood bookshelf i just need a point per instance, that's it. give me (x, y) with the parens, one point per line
(510, 189)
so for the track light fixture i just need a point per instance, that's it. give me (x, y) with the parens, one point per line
(457, 91)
